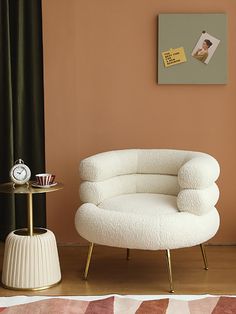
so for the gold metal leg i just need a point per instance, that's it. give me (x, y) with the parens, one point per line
(88, 261)
(204, 256)
(30, 214)
(128, 254)
(169, 270)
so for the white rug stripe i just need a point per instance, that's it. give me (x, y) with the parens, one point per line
(177, 307)
(127, 305)
(209, 307)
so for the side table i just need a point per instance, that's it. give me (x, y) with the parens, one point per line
(31, 259)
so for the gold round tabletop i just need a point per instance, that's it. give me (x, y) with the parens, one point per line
(27, 189)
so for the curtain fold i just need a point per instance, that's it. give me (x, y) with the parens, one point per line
(21, 105)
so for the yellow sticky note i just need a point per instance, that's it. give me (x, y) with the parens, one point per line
(174, 56)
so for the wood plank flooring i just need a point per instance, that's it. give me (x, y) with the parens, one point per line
(144, 273)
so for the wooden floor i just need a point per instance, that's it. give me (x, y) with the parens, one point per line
(145, 273)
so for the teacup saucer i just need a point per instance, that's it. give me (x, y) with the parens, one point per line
(35, 185)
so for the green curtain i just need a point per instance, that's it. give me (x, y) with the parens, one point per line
(21, 105)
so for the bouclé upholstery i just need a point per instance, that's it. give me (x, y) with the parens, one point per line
(148, 198)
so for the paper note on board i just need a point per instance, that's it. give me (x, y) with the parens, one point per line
(174, 56)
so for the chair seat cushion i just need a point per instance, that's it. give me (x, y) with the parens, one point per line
(142, 204)
(144, 221)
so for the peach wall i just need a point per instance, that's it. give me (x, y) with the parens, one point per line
(101, 94)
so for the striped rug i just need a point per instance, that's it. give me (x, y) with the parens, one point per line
(124, 305)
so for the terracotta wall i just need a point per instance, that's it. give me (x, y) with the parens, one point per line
(101, 94)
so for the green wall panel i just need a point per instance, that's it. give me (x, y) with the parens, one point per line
(184, 30)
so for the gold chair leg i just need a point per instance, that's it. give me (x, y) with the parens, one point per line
(169, 270)
(204, 256)
(128, 254)
(88, 260)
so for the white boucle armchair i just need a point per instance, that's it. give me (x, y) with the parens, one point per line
(150, 199)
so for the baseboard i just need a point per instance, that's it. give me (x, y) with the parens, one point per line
(221, 244)
(72, 244)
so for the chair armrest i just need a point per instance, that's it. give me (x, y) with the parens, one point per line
(199, 173)
(198, 202)
(106, 165)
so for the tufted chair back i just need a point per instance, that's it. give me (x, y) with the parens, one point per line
(188, 175)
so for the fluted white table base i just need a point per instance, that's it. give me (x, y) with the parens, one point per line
(31, 262)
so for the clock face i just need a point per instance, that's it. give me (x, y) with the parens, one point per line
(20, 173)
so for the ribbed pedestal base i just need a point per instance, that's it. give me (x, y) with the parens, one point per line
(31, 262)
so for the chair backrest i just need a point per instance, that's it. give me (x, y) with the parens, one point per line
(142, 171)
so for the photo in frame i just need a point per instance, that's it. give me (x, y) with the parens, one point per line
(205, 47)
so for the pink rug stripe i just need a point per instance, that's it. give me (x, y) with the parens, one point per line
(225, 305)
(104, 306)
(50, 306)
(154, 306)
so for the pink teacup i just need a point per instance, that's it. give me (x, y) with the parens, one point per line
(45, 178)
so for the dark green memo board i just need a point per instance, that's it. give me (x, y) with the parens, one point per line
(184, 30)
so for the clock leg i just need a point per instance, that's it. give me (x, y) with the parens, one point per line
(30, 213)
